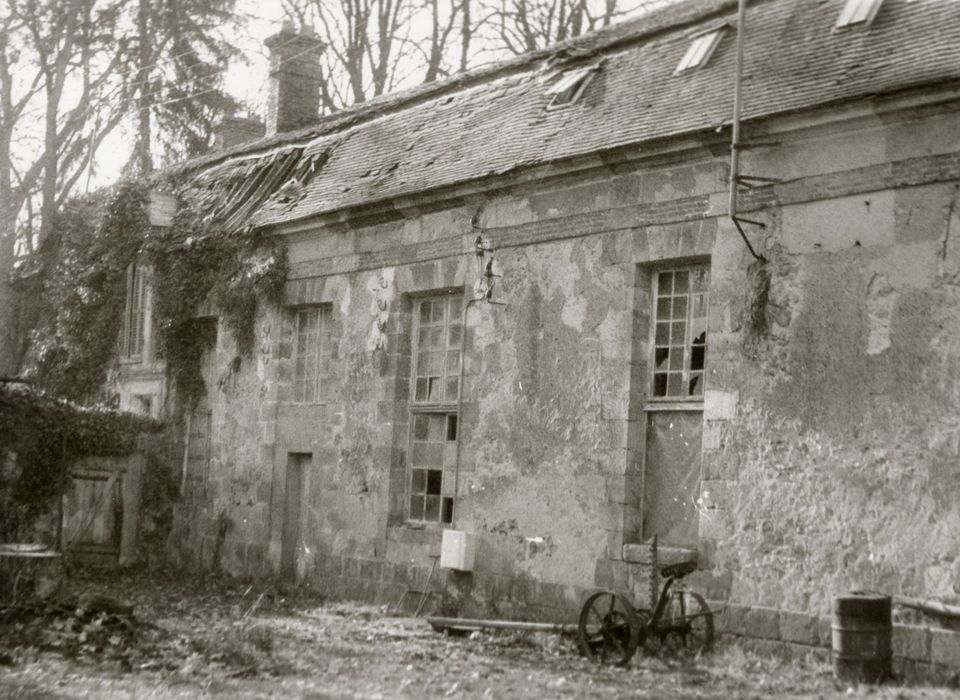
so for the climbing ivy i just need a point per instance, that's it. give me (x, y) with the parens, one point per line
(83, 290)
(47, 435)
(195, 262)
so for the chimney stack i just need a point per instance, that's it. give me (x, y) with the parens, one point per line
(294, 98)
(232, 131)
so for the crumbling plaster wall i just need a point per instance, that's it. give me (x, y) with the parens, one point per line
(830, 435)
(836, 467)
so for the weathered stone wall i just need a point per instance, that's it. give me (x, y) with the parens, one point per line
(835, 466)
(830, 437)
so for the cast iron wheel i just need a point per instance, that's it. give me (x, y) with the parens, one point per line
(608, 629)
(687, 623)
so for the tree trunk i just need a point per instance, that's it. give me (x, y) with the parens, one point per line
(145, 100)
(51, 146)
(466, 33)
(9, 344)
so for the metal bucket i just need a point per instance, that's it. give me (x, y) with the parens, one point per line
(861, 637)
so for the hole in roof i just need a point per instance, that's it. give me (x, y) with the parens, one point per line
(858, 12)
(700, 50)
(569, 88)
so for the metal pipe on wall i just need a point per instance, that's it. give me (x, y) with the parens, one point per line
(735, 135)
(737, 97)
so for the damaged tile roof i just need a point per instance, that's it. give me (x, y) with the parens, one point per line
(494, 121)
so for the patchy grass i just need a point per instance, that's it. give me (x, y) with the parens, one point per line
(210, 636)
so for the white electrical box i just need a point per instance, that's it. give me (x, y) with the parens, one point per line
(457, 549)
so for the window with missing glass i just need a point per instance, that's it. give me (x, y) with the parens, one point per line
(434, 420)
(312, 351)
(680, 333)
(433, 461)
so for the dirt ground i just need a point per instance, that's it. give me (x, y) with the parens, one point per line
(212, 637)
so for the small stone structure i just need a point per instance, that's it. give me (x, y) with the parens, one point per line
(28, 570)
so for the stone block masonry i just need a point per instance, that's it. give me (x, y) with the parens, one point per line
(824, 460)
(920, 653)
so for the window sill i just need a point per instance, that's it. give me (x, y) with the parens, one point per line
(413, 533)
(696, 405)
(666, 555)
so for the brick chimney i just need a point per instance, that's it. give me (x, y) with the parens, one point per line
(294, 97)
(236, 130)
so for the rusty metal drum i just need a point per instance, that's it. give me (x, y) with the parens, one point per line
(861, 637)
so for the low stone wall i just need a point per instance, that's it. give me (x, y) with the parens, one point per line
(920, 653)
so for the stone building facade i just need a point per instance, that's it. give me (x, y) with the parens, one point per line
(634, 370)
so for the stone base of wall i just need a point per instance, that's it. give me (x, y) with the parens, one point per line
(921, 654)
(478, 594)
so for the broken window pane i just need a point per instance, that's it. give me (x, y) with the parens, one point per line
(697, 356)
(433, 458)
(436, 380)
(680, 333)
(660, 384)
(447, 515)
(451, 427)
(660, 356)
(696, 383)
(434, 481)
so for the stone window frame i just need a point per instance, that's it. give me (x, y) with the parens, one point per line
(659, 323)
(135, 314)
(323, 348)
(428, 432)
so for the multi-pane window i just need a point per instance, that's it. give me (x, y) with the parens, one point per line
(312, 352)
(134, 314)
(437, 370)
(680, 332)
(434, 420)
(434, 461)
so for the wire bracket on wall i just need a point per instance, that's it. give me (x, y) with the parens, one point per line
(488, 270)
(738, 180)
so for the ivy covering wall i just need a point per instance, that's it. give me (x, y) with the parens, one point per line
(46, 435)
(195, 262)
(78, 285)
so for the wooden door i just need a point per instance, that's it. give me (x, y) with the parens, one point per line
(291, 534)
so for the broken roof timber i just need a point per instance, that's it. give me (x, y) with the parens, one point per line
(437, 138)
